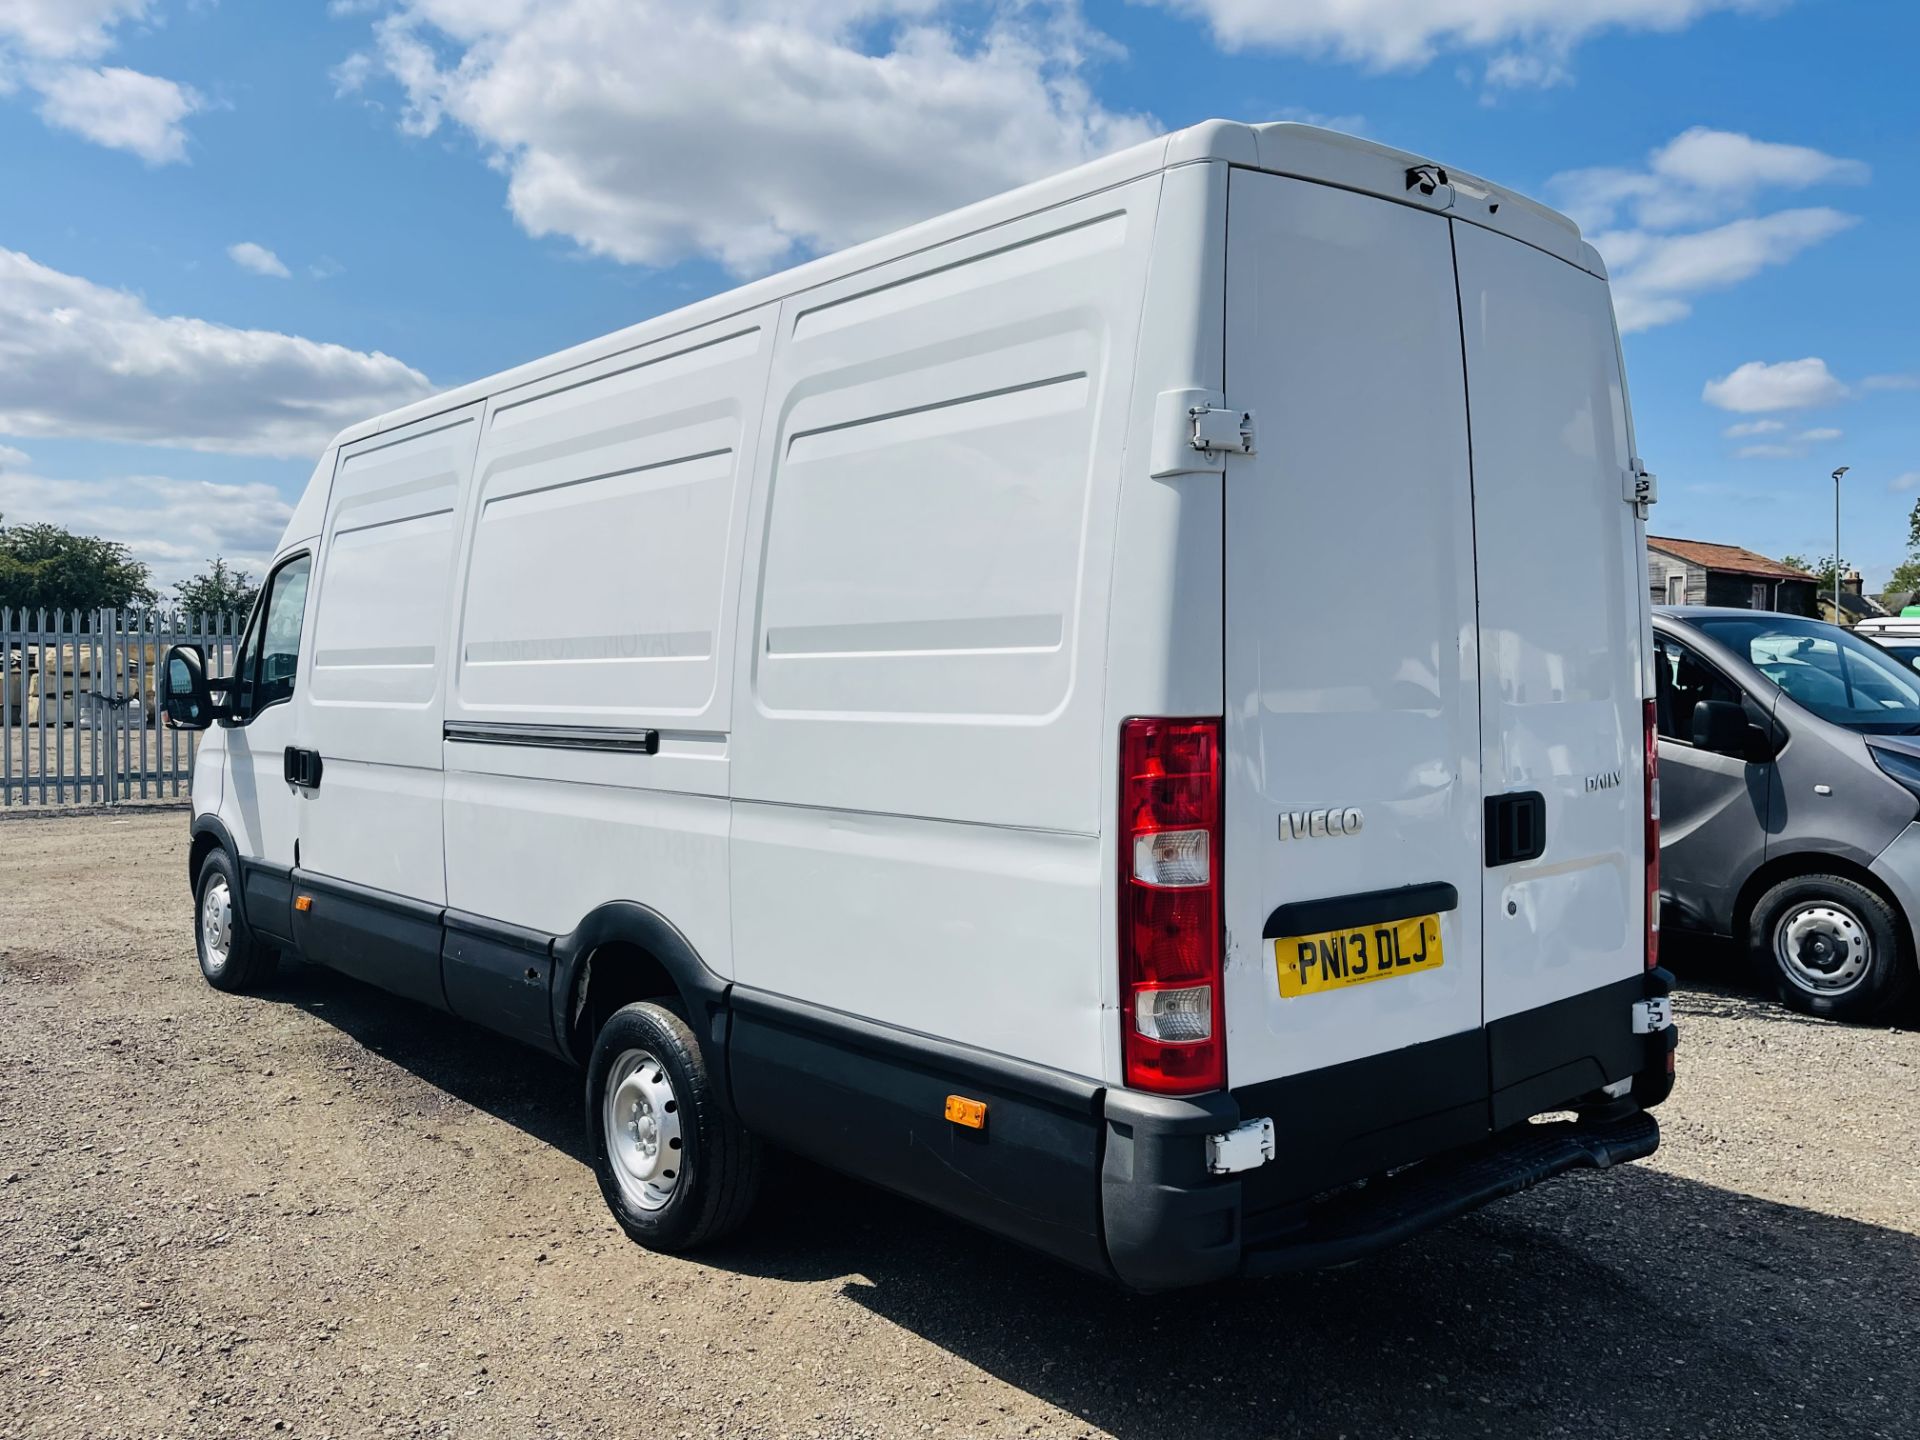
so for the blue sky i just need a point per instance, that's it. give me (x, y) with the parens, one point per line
(229, 228)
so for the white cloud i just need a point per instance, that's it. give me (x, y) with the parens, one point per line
(751, 131)
(44, 45)
(1757, 387)
(1656, 276)
(1536, 36)
(1816, 437)
(64, 29)
(258, 259)
(12, 459)
(1748, 428)
(1766, 452)
(1546, 68)
(1891, 382)
(1677, 227)
(1910, 480)
(1698, 177)
(173, 525)
(80, 359)
(118, 108)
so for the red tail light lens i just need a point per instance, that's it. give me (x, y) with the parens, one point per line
(1172, 1011)
(1652, 740)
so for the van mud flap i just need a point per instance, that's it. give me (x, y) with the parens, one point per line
(1353, 1222)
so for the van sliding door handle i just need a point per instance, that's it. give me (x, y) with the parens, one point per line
(1516, 827)
(301, 767)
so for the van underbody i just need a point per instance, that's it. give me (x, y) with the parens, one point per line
(1113, 1181)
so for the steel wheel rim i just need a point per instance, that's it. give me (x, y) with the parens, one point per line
(216, 923)
(641, 1120)
(1823, 947)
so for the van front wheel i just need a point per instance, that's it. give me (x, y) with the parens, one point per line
(676, 1167)
(1835, 946)
(231, 958)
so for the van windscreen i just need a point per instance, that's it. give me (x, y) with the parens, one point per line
(1837, 676)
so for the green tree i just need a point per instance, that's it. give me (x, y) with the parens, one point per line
(1905, 579)
(1821, 568)
(220, 589)
(45, 566)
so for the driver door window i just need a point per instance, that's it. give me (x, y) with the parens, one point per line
(270, 655)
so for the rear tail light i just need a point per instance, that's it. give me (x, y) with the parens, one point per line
(1172, 1017)
(1652, 742)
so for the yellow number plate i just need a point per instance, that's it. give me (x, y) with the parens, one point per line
(1333, 959)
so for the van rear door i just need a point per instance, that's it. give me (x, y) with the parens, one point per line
(1353, 749)
(1432, 646)
(1562, 614)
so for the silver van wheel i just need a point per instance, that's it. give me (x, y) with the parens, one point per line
(641, 1116)
(1822, 947)
(216, 922)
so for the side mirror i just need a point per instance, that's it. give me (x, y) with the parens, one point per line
(184, 698)
(1723, 727)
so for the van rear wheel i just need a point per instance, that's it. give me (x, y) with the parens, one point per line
(231, 958)
(1837, 949)
(677, 1169)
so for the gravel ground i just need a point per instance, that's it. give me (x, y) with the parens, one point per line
(322, 1212)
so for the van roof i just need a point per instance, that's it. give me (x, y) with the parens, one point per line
(1304, 151)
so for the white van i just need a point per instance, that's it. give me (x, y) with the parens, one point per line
(1120, 712)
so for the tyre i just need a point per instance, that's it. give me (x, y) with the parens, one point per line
(1836, 948)
(676, 1167)
(230, 957)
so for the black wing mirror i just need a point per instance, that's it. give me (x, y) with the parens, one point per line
(1725, 728)
(184, 698)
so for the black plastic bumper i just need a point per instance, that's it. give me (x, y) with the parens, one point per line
(1358, 1221)
(1372, 1151)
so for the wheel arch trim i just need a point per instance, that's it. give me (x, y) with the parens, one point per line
(628, 922)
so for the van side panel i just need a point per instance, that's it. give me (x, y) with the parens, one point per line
(917, 780)
(596, 600)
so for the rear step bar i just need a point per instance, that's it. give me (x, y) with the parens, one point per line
(1353, 1222)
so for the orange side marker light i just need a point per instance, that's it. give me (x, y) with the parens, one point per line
(970, 1113)
(303, 903)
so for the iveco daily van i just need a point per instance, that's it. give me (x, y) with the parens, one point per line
(1791, 751)
(1119, 712)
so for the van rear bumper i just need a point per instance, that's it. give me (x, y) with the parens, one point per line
(1170, 1224)
(1375, 1150)
(1354, 1223)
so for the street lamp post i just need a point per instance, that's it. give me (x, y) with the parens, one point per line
(1839, 616)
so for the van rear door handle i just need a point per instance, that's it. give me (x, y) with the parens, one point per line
(1516, 827)
(301, 767)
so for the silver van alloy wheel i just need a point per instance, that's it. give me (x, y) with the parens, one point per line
(641, 1116)
(1822, 947)
(216, 922)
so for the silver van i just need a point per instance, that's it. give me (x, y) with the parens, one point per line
(1790, 790)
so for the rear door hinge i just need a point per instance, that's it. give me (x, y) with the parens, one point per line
(1639, 487)
(1245, 1147)
(1218, 430)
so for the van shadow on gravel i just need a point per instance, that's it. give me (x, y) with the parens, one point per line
(1631, 1303)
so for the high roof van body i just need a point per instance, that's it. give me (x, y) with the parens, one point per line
(1118, 712)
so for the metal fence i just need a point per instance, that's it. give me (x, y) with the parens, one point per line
(79, 692)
